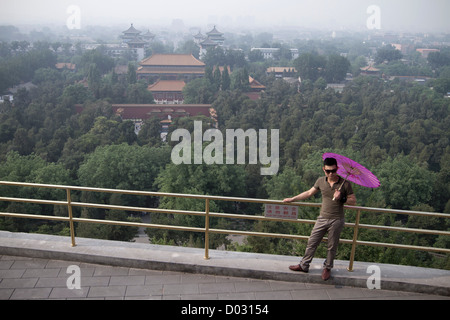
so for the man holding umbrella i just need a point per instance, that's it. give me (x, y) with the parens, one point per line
(336, 192)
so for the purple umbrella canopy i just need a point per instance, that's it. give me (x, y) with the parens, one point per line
(352, 171)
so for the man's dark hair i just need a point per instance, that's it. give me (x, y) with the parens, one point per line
(329, 162)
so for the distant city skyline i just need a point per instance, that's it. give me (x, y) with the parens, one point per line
(392, 15)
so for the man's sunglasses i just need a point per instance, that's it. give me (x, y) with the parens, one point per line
(331, 171)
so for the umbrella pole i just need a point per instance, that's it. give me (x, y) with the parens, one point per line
(342, 184)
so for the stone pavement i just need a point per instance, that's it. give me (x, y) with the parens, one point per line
(36, 278)
(41, 267)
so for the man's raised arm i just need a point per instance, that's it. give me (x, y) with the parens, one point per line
(302, 196)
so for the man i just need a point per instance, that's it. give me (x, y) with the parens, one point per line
(331, 218)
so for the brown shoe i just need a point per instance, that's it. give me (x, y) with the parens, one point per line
(326, 274)
(297, 267)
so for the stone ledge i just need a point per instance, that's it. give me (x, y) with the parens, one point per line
(226, 263)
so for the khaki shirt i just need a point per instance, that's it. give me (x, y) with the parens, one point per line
(332, 209)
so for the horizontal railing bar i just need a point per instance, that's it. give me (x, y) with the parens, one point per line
(264, 218)
(397, 211)
(215, 214)
(402, 246)
(138, 224)
(236, 199)
(38, 201)
(255, 217)
(269, 235)
(222, 215)
(137, 209)
(33, 216)
(220, 231)
(259, 234)
(412, 230)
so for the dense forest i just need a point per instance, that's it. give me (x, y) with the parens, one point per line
(397, 129)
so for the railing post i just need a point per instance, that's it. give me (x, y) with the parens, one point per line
(69, 208)
(206, 229)
(355, 238)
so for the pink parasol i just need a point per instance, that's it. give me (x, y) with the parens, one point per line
(353, 171)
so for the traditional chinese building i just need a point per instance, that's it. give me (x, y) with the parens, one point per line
(171, 67)
(138, 113)
(198, 38)
(148, 36)
(255, 89)
(215, 36)
(281, 72)
(370, 71)
(168, 91)
(426, 52)
(213, 39)
(130, 34)
(137, 42)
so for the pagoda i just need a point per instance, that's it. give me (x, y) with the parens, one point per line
(136, 42)
(215, 36)
(199, 37)
(148, 36)
(130, 34)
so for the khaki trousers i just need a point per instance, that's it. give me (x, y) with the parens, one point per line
(322, 226)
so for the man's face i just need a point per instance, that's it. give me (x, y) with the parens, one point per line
(330, 171)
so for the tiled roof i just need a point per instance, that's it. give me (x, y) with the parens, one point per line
(167, 85)
(214, 32)
(136, 40)
(131, 30)
(145, 111)
(143, 70)
(62, 65)
(280, 69)
(370, 68)
(172, 60)
(208, 42)
(255, 84)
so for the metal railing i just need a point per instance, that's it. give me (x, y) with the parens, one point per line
(207, 215)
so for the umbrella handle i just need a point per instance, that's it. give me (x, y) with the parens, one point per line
(341, 185)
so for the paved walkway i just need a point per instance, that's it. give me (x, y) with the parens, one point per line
(42, 267)
(35, 278)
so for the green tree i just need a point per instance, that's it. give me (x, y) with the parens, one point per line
(224, 180)
(138, 93)
(336, 68)
(387, 53)
(404, 183)
(97, 56)
(239, 80)
(119, 167)
(131, 74)
(255, 56)
(285, 184)
(199, 91)
(226, 81)
(439, 59)
(33, 169)
(217, 79)
(123, 166)
(150, 133)
(309, 66)
(76, 94)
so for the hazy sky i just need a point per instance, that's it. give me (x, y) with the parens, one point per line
(413, 15)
